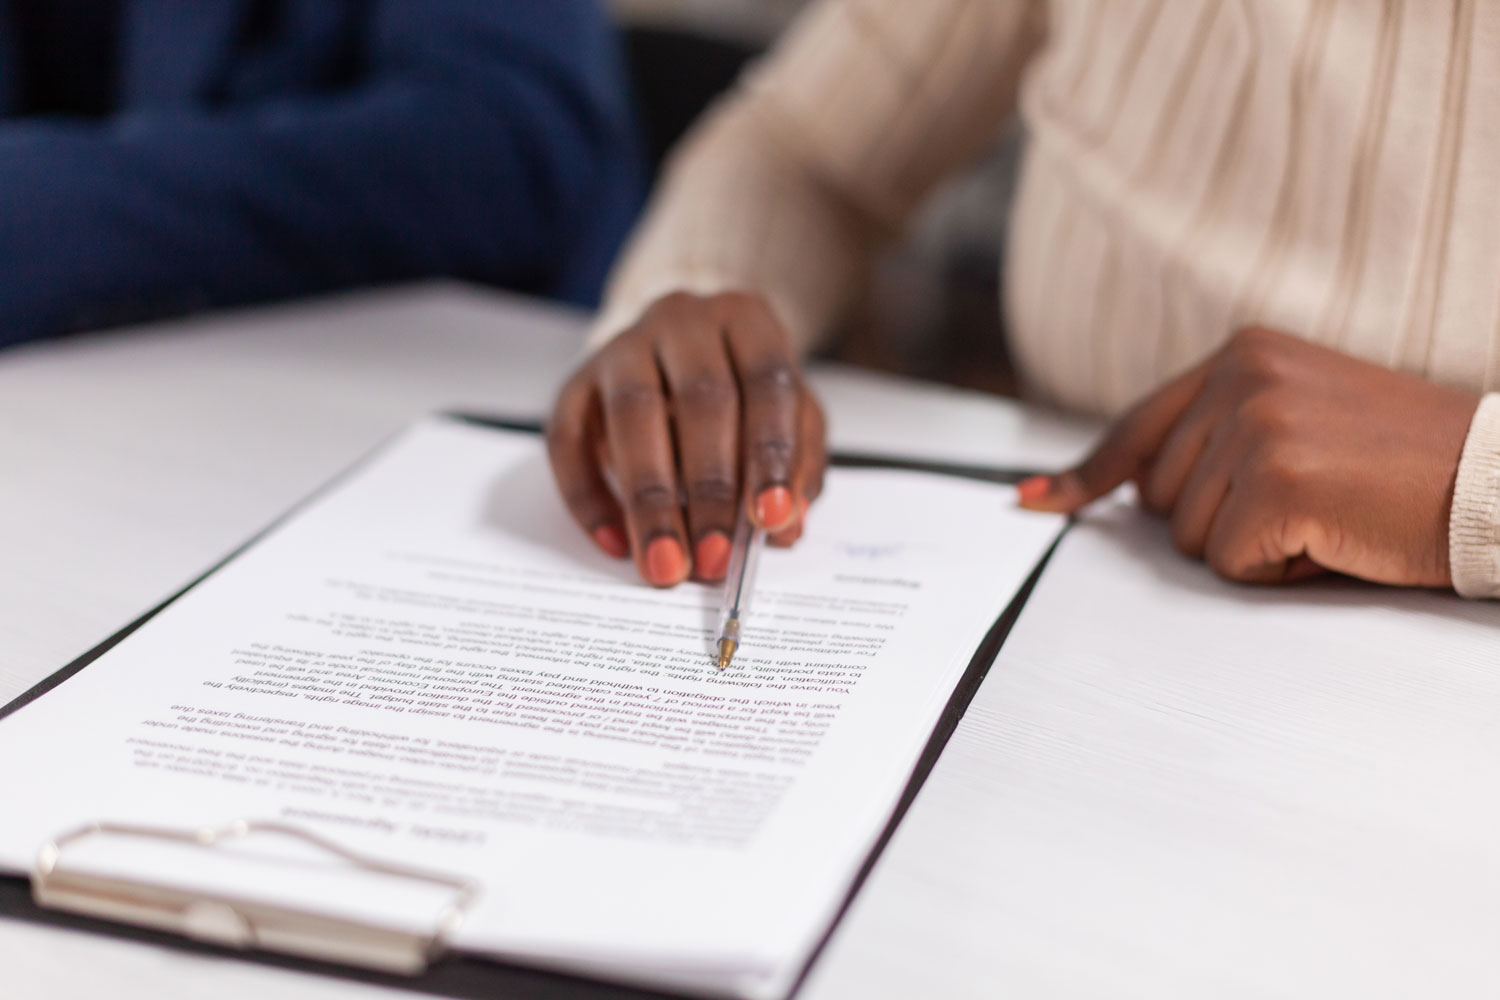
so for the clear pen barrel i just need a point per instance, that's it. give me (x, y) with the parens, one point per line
(739, 582)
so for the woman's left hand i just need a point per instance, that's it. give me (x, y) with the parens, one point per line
(1277, 459)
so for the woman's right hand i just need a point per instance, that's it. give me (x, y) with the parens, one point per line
(659, 436)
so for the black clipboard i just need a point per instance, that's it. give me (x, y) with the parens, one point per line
(469, 977)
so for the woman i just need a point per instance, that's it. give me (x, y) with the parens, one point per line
(1264, 226)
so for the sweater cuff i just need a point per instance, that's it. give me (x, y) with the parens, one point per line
(1474, 524)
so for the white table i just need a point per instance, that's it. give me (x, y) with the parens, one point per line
(1272, 805)
(131, 461)
(1168, 787)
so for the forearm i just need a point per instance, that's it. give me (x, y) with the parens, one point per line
(483, 141)
(736, 212)
(160, 213)
(823, 152)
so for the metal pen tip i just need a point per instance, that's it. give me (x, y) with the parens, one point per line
(726, 652)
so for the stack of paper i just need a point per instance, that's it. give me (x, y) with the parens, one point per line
(429, 663)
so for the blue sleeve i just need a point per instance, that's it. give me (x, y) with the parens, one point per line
(486, 140)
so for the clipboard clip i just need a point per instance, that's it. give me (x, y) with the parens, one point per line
(235, 922)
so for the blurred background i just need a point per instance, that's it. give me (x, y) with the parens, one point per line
(169, 158)
(930, 308)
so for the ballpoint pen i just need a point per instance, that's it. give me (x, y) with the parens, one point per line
(739, 584)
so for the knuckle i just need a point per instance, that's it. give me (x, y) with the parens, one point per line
(581, 499)
(650, 498)
(739, 303)
(635, 339)
(775, 378)
(712, 490)
(631, 338)
(706, 391)
(1256, 352)
(1280, 470)
(674, 310)
(1262, 415)
(676, 305)
(632, 396)
(772, 451)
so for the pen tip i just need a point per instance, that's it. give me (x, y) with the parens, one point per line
(726, 652)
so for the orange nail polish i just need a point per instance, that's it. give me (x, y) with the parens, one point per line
(711, 555)
(665, 564)
(1033, 489)
(612, 540)
(786, 538)
(773, 508)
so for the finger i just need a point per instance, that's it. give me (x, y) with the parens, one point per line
(1302, 568)
(1207, 484)
(572, 440)
(1251, 542)
(641, 454)
(789, 536)
(807, 482)
(705, 418)
(771, 398)
(812, 451)
(1126, 449)
(1181, 452)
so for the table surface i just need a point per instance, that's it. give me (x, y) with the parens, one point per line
(135, 459)
(1168, 787)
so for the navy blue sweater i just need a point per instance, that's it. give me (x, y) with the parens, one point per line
(244, 150)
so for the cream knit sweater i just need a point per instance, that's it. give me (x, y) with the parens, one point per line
(1326, 167)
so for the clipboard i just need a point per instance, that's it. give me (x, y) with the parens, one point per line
(417, 961)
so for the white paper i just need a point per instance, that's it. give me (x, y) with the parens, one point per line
(430, 663)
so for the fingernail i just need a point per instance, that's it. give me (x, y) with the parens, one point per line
(788, 537)
(611, 539)
(1033, 489)
(711, 555)
(773, 508)
(665, 564)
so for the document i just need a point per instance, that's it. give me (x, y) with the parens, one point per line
(431, 664)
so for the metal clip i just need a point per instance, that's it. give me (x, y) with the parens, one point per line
(234, 922)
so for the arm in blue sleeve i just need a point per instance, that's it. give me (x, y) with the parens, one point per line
(486, 140)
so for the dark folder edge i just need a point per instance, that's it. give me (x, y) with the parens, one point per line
(471, 977)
